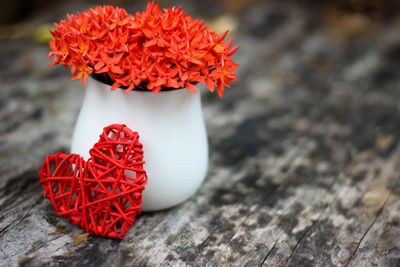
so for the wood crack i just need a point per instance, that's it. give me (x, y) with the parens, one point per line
(367, 230)
(19, 221)
(313, 224)
(348, 160)
(42, 245)
(269, 252)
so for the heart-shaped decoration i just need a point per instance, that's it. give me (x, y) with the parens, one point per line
(103, 194)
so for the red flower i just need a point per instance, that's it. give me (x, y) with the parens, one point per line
(155, 49)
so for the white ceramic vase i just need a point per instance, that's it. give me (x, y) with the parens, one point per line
(171, 128)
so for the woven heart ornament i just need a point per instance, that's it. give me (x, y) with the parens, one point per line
(103, 194)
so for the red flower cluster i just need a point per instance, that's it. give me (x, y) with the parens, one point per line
(155, 49)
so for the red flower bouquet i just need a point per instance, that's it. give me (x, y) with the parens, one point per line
(153, 50)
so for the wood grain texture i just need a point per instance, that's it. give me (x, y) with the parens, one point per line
(304, 154)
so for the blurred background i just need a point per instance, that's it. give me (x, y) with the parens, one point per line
(269, 23)
(289, 49)
(314, 59)
(302, 62)
(344, 19)
(352, 16)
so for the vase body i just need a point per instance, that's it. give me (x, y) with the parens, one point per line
(171, 128)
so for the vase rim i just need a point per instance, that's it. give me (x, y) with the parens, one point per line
(140, 90)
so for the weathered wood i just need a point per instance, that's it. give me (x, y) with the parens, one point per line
(304, 154)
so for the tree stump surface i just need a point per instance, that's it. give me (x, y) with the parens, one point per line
(304, 153)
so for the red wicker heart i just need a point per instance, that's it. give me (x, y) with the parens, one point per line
(102, 195)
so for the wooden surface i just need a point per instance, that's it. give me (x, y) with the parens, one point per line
(305, 158)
